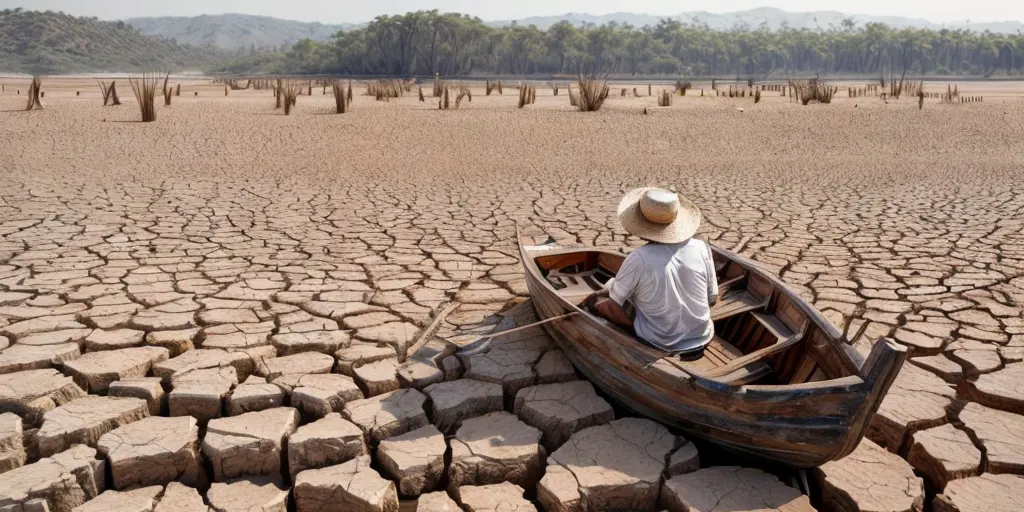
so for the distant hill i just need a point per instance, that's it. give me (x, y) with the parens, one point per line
(50, 43)
(770, 17)
(234, 32)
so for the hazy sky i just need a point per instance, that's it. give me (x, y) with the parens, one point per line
(342, 11)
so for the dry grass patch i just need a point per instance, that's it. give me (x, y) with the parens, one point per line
(592, 94)
(145, 93)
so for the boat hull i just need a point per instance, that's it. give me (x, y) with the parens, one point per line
(800, 425)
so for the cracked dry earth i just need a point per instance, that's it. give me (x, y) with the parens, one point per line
(264, 276)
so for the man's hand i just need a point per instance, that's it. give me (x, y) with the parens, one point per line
(591, 300)
(611, 311)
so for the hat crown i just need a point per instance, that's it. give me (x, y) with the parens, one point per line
(659, 206)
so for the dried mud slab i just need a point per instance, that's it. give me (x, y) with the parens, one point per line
(136, 500)
(249, 444)
(503, 497)
(20, 357)
(326, 442)
(731, 488)
(318, 395)
(96, 370)
(560, 410)
(870, 479)
(85, 420)
(617, 465)
(350, 486)
(58, 483)
(453, 402)
(437, 502)
(495, 448)
(415, 459)
(1001, 389)
(388, 415)
(153, 451)
(1000, 433)
(985, 493)
(255, 394)
(145, 388)
(180, 498)
(30, 394)
(12, 449)
(942, 454)
(917, 400)
(247, 495)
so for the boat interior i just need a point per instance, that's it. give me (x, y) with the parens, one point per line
(761, 330)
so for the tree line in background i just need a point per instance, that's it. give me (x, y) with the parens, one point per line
(429, 42)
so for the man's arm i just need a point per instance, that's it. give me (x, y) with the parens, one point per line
(712, 278)
(614, 312)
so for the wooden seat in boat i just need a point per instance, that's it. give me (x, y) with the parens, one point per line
(577, 286)
(735, 302)
(719, 354)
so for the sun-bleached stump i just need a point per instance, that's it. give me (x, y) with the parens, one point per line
(731, 488)
(942, 454)
(145, 388)
(95, 371)
(453, 402)
(142, 499)
(85, 420)
(247, 495)
(503, 497)
(560, 410)
(1000, 433)
(870, 479)
(495, 448)
(249, 444)
(353, 486)
(30, 394)
(985, 493)
(613, 466)
(153, 451)
(415, 459)
(328, 441)
(388, 415)
(58, 483)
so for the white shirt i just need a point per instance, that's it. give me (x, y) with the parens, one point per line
(672, 287)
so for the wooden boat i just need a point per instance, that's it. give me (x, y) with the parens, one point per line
(778, 382)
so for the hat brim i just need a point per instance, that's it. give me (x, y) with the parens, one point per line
(679, 230)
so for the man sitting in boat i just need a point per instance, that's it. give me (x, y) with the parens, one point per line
(664, 290)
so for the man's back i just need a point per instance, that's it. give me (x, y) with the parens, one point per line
(672, 287)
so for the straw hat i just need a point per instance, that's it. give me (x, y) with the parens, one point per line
(659, 215)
